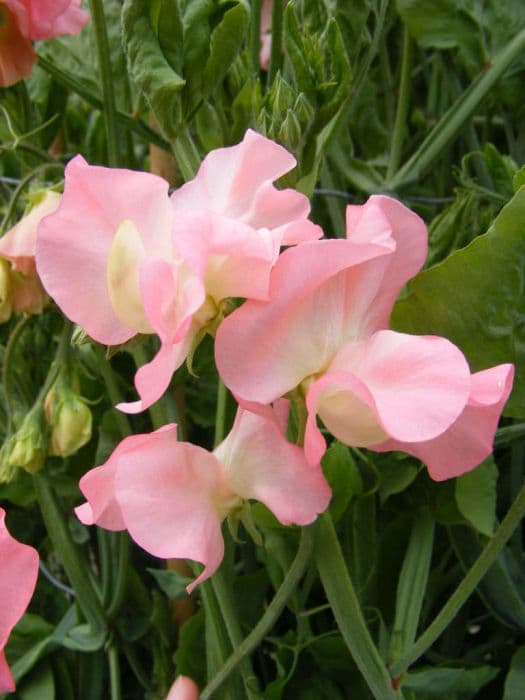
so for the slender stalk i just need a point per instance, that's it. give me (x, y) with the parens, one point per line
(186, 153)
(121, 541)
(106, 78)
(373, 49)
(255, 34)
(6, 367)
(466, 587)
(71, 83)
(402, 106)
(115, 396)
(271, 615)
(347, 612)
(457, 115)
(276, 57)
(73, 563)
(220, 413)
(114, 672)
(223, 593)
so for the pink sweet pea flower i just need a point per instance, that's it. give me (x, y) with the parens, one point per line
(184, 688)
(18, 247)
(324, 333)
(119, 257)
(17, 583)
(173, 496)
(266, 34)
(25, 21)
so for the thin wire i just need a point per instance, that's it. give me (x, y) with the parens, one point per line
(58, 584)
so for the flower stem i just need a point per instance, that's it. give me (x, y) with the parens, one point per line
(255, 34)
(114, 672)
(220, 413)
(270, 616)
(277, 35)
(106, 77)
(402, 106)
(466, 587)
(186, 154)
(115, 396)
(347, 612)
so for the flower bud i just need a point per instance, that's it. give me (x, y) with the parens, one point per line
(6, 306)
(27, 447)
(70, 420)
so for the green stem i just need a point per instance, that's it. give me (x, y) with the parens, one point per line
(509, 433)
(73, 563)
(220, 413)
(6, 367)
(271, 615)
(115, 396)
(402, 106)
(120, 562)
(347, 612)
(466, 587)
(106, 77)
(373, 49)
(412, 584)
(456, 116)
(224, 597)
(255, 34)
(276, 56)
(186, 154)
(71, 83)
(114, 672)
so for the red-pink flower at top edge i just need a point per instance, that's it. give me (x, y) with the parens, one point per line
(184, 688)
(17, 583)
(325, 331)
(173, 496)
(24, 21)
(18, 246)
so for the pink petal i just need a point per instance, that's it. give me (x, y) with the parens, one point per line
(469, 440)
(17, 56)
(98, 486)
(43, 19)
(173, 497)
(17, 583)
(19, 243)
(152, 380)
(263, 465)
(234, 259)
(236, 182)
(73, 243)
(411, 388)
(184, 688)
(319, 296)
(384, 218)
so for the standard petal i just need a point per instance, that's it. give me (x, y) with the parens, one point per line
(184, 688)
(73, 243)
(17, 583)
(17, 56)
(384, 218)
(318, 294)
(173, 497)
(263, 465)
(470, 439)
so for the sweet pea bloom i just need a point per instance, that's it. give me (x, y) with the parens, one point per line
(25, 21)
(184, 688)
(173, 496)
(17, 583)
(120, 257)
(25, 292)
(324, 335)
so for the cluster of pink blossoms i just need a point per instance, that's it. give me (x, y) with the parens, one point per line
(121, 257)
(25, 21)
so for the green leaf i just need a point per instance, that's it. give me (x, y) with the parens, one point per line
(476, 494)
(455, 683)
(191, 649)
(476, 299)
(344, 478)
(515, 681)
(396, 476)
(149, 67)
(39, 685)
(171, 582)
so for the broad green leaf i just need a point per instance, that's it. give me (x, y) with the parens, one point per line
(476, 299)
(39, 685)
(476, 494)
(149, 67)
(191, 649)
(396, 476)
(171, 582)
(453, 683)
(515, 681)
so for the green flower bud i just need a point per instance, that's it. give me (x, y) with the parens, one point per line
(27, 447)
(70, 420)
(6, 304)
